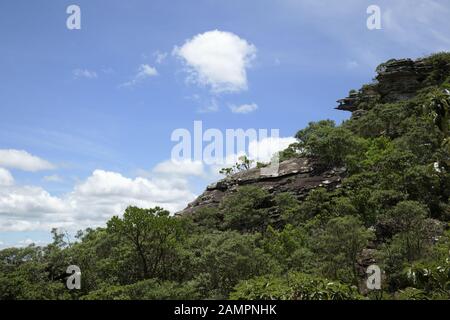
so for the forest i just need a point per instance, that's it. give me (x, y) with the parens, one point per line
(392, 207)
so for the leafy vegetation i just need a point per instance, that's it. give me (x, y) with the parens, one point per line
(243, 163)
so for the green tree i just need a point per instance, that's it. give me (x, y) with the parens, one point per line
(247, 210)
(243, 164)
(296, 286)
(339, 245)
(154, 236)
(289, 247)
(329, 144)
(150, 289)
(440, 106)
(24, 276)
(218, 261)
(411, 239)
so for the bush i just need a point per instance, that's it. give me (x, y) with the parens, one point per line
(329, 144)
(150, 289)
(296, 286)
(339, 244)
(247, 210)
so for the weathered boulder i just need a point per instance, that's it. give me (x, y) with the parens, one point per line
(297, 176)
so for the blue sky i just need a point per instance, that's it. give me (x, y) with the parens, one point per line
(87, 115)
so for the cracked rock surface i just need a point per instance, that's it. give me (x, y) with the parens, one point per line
(298, 176)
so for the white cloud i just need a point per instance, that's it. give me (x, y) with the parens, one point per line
(160, 56)
(6, 179)
(263, 150)
(106, 183)
(209, 106)
(84, 73)
(217, 59)
(20, 159)
(23, 243)
(244, 108)
(104, 193)
(91, 203)
(144, 71)
(180, 168)
(28, 200)
(112, 192)
(27, 242)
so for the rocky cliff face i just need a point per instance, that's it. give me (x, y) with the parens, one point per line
(297, 176)
(396, 80)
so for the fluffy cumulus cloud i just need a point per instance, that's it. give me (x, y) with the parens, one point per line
(180, 168)
(244, 108)
(6, 179)
(259, 150)
(217, 59)
(112, 184)
(262, 150)
(106, 193)
(24, 208)
(20, 159)
(91, 203)
(25, 201)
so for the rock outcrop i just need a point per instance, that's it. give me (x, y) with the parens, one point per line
(396, 80)
(297, 176)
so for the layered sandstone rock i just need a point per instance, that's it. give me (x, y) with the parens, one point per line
(396, 80)
(297, 176)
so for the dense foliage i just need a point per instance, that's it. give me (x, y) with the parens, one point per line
(392, 208)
